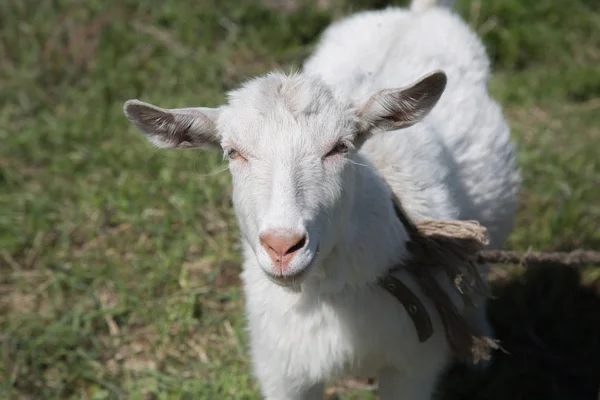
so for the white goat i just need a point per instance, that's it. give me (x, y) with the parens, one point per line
(308, 154)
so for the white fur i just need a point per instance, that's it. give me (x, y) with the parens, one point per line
(329, 318)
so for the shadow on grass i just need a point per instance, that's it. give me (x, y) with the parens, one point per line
(549, 323)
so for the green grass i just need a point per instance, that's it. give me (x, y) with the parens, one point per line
(119, 263)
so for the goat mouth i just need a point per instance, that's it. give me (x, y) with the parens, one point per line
(288, 280)
(296, 278)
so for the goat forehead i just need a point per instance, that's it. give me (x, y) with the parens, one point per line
(297, 94)
(291, 111)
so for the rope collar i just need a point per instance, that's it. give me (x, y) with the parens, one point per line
(451, 247)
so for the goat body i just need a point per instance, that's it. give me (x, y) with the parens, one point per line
(309, 154)
(458, 163)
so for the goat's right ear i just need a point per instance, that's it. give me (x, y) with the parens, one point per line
(175, 128)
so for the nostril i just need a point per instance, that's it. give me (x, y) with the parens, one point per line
(282, 245)
(300, 244)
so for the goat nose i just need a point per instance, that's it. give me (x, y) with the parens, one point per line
(282, 245)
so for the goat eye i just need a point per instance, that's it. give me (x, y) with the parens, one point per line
(340, 148)
(232, 154)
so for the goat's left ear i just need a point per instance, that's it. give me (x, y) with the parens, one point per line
(392, 109)
(175, 128)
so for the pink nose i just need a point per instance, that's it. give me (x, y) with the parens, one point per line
(282, 246)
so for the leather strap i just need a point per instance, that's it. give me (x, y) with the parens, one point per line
(416, 310)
